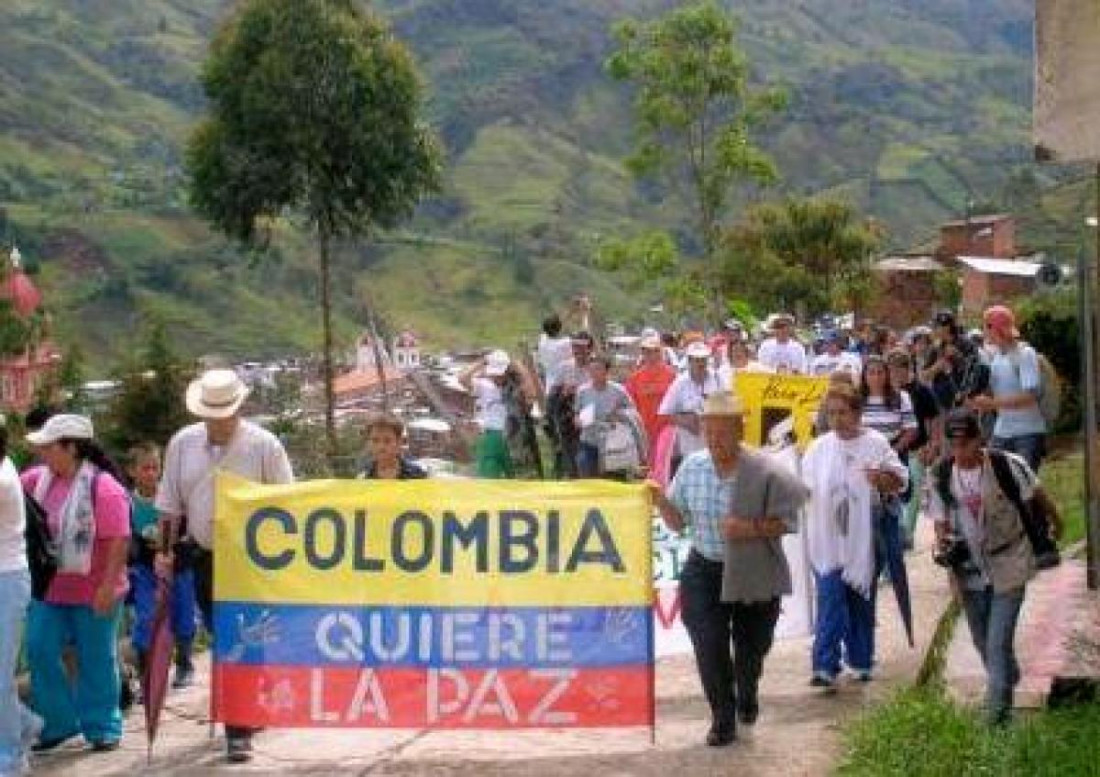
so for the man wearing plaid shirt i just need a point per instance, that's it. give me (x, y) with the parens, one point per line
(739, 505)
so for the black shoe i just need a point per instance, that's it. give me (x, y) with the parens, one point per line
(185, 677)
(747, 717)
(721, 737)
(238, 750)
(126, 695)
(105, 746)
(46, 745)
(822, 680)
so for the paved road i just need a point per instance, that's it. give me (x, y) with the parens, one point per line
(797, 734)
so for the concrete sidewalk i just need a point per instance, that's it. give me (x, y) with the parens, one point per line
(1059, 621)
(797, 734)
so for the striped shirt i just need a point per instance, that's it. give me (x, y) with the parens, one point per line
(703, 499)
(890, 421)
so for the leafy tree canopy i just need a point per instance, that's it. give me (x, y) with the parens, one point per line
(313, 106)
(694, 108)
(798, 250)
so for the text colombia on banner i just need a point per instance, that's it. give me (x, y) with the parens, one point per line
(450, 604)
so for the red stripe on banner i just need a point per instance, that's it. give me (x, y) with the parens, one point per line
(326, 697)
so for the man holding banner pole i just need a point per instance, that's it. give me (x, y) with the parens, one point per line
(221, 440)
(739, 504)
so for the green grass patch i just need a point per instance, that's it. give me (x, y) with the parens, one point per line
(1063, 476)
(919, 733)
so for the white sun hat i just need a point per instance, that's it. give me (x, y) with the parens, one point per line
(216, 394)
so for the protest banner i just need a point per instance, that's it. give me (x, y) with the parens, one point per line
(782, 407)
(448, 604)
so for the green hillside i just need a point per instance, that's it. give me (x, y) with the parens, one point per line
(909, 108)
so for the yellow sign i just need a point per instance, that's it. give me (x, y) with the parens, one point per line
(778, 407)
(429, 542)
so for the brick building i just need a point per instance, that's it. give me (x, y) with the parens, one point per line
(987, 281)
(905, 291)
(991, 236)
(980, 250)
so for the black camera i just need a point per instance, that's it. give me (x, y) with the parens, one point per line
(951, 552)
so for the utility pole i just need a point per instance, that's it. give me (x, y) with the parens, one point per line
(1088, 275)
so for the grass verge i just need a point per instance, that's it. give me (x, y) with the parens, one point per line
(920, 733)
(1063, 477)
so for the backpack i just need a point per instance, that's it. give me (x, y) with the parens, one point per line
(618, 450)
(1050, 391)
(1037, 515)
(41, 550)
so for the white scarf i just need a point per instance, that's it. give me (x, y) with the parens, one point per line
(76, 522)
(839, 530)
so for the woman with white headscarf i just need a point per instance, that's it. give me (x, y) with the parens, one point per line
(851, 471)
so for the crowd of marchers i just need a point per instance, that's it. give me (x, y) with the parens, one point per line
(934, 421)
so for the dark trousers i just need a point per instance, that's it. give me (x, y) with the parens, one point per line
(1030, 447)
(730, 641)
(564, 435)
(204, 594)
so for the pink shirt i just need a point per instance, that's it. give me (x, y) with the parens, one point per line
(112, 520)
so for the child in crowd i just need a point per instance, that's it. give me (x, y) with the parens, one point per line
(144, 472)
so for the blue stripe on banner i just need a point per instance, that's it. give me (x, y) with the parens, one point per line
(432, 637)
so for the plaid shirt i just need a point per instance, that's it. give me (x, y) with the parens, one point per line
(703, 498)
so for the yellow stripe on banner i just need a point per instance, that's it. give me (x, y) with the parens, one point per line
(433, 542)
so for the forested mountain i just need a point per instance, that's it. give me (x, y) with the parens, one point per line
(908, 108)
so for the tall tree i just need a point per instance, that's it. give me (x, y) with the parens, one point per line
(694, 109)
(806, 250)
(313, 110)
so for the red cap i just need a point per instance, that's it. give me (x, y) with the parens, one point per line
(1002, 320)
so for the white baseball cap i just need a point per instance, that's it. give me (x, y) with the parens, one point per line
(698, 350)
(65, 426)
(496, 363)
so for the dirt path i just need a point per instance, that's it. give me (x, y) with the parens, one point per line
(797, 734)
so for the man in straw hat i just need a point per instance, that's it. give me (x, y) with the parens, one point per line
(185, 498)
(739, 503)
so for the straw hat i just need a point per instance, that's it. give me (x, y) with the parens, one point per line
(216, 394)
(723, 403)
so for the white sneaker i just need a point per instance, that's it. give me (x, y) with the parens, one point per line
(32, 728)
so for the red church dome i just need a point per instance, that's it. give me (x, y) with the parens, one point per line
(18, 289)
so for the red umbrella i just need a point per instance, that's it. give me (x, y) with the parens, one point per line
(158, 663)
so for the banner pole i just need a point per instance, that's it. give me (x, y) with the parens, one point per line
(652, 631)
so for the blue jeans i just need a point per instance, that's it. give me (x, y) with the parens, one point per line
(15, 719)
(588, 460)
(912, 507)
(992, 618)
(1030, 447)
(90, 705)
(845, 619)
(143, 588)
